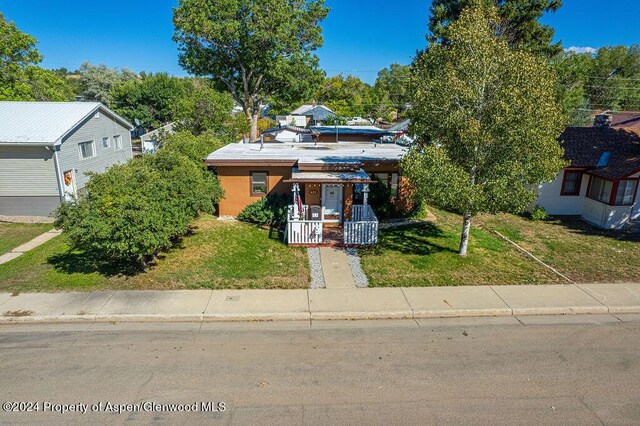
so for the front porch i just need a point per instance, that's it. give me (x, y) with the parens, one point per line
(359, 230)
(330, 207)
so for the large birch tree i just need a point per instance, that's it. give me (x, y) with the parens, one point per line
(487, 121)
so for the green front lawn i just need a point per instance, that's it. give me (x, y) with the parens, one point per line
(14, 234)
(426, 255)
(218, 255)
(578, 250)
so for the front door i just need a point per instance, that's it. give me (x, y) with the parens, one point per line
(332, 202)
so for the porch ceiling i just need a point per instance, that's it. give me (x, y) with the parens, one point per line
(359, 176)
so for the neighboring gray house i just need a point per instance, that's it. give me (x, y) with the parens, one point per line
(46, 148)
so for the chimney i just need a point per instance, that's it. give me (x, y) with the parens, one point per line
(602, 120)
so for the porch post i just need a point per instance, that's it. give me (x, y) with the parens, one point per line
(365, 194)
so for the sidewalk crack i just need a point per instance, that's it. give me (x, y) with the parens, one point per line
(503, 301)
(582, 290)
(413, 313)
(205, 310)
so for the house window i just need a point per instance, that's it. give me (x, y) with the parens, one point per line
(394, 184)
(259, 183)
(383, 178)
(600, 190)
(626, 192)
(87, 150)
(117, 142)
(106, 142)
(571, 183)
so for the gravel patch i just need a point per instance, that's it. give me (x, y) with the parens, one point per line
(359, 276)
(315, 266)
(26, 219)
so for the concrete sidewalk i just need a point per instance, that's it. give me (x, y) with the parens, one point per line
(336, 269)
(341, 303)
(29, 245)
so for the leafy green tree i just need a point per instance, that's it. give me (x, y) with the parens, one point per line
(348, 96)
(519, 22)
(196, 148)
(392, 88)
(202, 108)
(20, 77)
(614, 81)
(96, 81)
(133, 211)
(254, 49)
(573, 70)
(487, 120)
(149, 98)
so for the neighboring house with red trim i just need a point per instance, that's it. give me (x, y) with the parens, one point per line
(601, 182)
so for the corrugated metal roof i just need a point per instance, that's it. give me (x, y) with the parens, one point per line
(44, 122)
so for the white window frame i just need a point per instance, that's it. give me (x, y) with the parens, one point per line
(600, 190)
(108, 145)
(628, 187)
(93, 149)
(117, 142)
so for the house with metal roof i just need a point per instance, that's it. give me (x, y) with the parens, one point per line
(47, 149)
(600, 183)
(314, 115)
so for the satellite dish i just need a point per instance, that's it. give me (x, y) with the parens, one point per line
(136, 121)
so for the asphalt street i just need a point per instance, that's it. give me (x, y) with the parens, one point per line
(578, 370)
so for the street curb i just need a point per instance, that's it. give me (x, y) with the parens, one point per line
(306, 316)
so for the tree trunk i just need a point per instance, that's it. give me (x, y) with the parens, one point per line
(254, 127)
(247, 115)
(464, 238)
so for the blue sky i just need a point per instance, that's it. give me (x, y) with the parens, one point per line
(361, 36)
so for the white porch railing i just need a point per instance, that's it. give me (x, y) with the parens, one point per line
(304, 232)
(301, 231)
(362, 229)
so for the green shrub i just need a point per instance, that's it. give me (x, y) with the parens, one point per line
(539, 213)
(133, 211)
(270, 210)
(195, 147)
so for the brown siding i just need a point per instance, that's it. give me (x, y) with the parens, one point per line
(236, 183)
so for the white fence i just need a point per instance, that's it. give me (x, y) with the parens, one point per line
(304, 232)
(363, 228)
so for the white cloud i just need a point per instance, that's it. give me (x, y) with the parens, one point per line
(577, 49)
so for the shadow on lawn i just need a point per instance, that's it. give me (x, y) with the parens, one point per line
(77, 262)
(417, 239)
(576, 225)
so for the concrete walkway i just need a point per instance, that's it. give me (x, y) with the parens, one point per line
(30, 245)
(336, 303)
(336, 269)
